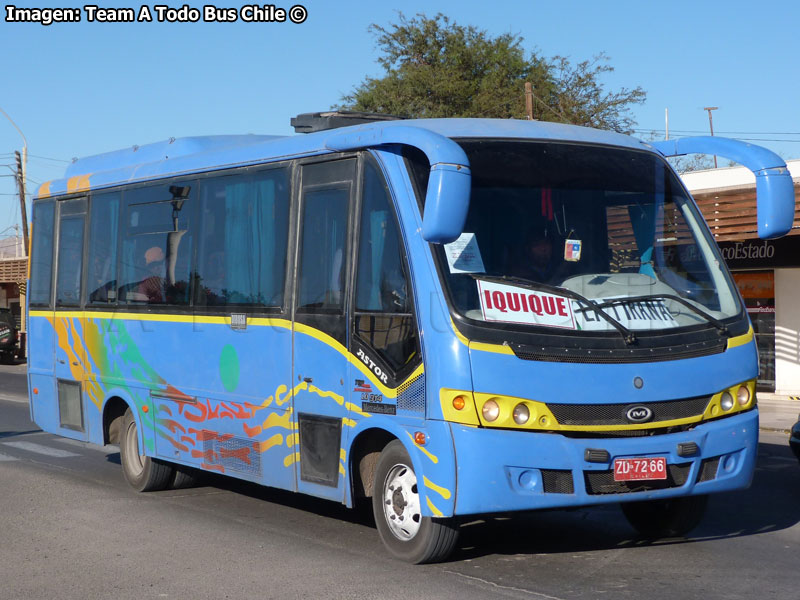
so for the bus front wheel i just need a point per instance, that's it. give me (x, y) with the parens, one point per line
(143, 473)
(671, 517)
(407, 534)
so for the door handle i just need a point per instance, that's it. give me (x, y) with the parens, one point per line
(307, 379)
(63, 362)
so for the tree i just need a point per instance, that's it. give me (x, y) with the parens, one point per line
(691, 162)
(437, 68)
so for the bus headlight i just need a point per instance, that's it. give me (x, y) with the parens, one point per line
(726, 402)
(521, 414)
(490, 410)
(743, 395)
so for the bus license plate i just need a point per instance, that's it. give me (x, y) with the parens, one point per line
(635, 469)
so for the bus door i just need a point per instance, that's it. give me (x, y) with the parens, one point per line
(68, 321)
(41, 335)
(320, 325)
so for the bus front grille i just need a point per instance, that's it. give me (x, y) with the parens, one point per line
(614, 414)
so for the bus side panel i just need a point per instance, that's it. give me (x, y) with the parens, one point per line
(41, 378)
(216, 398)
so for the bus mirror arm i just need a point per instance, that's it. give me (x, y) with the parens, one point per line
(774, 187)
(449, 183)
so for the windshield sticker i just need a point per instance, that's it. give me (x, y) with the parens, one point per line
(572, 250)
(511, 304)
(463, 255)
(650, 314)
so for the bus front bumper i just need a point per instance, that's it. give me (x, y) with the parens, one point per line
(503, 470)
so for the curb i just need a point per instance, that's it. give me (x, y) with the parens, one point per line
(775, 430)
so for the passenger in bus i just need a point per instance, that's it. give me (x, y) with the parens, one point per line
(541, 259)
(151, 287)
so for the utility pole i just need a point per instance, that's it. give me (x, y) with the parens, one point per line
(711, 126)
(23, 212)
(529, 100)
(22, 164)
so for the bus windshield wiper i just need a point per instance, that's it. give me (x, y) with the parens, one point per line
(627, 335)
(721, 327)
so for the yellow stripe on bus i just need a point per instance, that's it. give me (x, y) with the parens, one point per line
(255, 322)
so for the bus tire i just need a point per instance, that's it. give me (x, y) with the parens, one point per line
(398, 513)
(183, 477)
(143, 473)
(672, 517)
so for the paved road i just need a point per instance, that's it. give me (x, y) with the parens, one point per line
(71, 528)
(13, 382)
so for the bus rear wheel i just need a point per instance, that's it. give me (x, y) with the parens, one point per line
(407, 534)
(672, 517)
(143, 473)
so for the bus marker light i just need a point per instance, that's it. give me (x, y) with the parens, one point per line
(145, 409)
(419, 438)
(491, 410)
(521, 414)
(36, 391)
(743, 395)
(459, 402)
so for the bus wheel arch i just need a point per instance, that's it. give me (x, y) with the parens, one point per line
(364, 454)
(113, 413)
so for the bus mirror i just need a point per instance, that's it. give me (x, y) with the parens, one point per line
(774, 202)
(446, 203)
(774, 186)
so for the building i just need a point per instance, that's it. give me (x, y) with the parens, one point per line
(766, 271)
(13, 272)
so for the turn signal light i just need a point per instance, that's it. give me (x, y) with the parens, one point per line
(459, 402)
(419, 438)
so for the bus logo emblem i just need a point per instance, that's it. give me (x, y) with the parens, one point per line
(638, 414)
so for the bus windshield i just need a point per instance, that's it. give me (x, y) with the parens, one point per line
(558, 233)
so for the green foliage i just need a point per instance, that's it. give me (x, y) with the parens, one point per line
(437, 68)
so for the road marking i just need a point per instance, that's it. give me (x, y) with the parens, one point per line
(23, 400)
(88, 446)
(6, 457)
(39, 449)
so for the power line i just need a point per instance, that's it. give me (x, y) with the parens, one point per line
(725, 132)
(48, 158)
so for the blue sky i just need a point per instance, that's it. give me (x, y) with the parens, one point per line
(76, 89)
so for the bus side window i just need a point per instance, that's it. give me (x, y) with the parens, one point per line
(243, 240)
(157, 245)
(101, 275)
(42, 253)
(70, 252)
(383, 307)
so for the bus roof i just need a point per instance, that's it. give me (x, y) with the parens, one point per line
(201, 154)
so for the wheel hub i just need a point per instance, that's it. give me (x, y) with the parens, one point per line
(401, 502)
